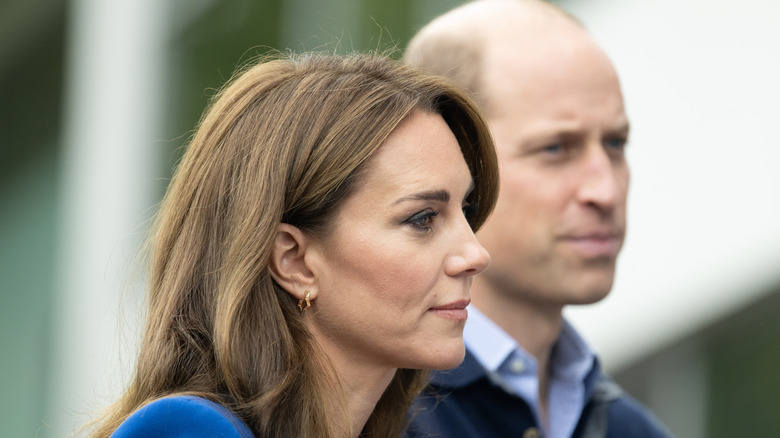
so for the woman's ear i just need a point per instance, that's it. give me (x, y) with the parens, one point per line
(288, 262)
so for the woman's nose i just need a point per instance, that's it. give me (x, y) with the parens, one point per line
(469, 257)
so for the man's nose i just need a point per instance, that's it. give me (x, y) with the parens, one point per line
(600, 185)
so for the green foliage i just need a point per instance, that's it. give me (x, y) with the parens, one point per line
(743, 366)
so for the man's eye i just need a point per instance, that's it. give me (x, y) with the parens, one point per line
(615, 143)
(554, 148)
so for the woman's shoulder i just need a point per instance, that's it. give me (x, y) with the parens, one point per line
(183, 416)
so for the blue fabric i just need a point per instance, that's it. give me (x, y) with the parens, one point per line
(467, 403)
(183, 417)
(512, 367)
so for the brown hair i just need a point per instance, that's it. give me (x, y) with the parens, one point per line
(281, 143)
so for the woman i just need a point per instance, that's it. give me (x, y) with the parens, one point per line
(313, 252)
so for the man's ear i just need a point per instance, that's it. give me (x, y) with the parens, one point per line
(288, 262)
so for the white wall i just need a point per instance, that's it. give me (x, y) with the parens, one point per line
(701, 87)
(113, 106)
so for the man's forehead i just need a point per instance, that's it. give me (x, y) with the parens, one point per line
(543, 68)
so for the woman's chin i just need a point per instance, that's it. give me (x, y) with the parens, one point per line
(448, 358)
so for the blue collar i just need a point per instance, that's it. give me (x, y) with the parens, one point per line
(571, 358)
(493, 355)
(471, 371)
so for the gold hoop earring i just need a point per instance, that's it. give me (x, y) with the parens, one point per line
(300, 303)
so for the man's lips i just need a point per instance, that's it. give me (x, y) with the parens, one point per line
(455, 310)
(594, 245)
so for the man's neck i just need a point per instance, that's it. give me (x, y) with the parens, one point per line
(535, 326)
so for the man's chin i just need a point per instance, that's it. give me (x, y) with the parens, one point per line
(584, 294)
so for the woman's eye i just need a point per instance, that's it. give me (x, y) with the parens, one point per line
(422, 220)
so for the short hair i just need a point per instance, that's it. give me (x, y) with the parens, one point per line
(456, 54)
(283, 142)
(454, 44)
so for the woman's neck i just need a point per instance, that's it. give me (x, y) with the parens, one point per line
(362, 390)
(363, 383)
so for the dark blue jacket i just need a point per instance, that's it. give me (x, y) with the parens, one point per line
(466, 402)
(183, 417)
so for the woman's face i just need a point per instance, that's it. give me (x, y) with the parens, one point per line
(393, 274)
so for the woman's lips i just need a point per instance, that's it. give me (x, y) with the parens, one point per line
(456, 310)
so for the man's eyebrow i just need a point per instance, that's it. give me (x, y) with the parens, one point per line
(428, 195)
(623, 127)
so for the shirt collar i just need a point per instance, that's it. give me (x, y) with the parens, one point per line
(489, 344)
(571, 358)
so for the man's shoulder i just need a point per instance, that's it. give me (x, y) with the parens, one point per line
(466, 402)
(183, 416)
(628, 417)
(625, 416)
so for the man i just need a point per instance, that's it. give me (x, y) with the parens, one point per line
(553, 102)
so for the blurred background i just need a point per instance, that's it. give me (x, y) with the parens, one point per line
(98, 97)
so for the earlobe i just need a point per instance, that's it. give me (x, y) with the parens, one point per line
(288, 262)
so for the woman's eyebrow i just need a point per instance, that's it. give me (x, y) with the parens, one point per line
(428, 195)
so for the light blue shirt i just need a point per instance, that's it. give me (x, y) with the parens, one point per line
(510, 366)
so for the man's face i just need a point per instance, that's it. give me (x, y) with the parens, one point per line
(560, 129)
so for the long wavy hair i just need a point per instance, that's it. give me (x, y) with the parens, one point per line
(283, 142)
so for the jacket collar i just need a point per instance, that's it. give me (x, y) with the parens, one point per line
(468, 372)
(597, 385)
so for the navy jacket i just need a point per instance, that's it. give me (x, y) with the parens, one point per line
(183, 417)
(467, 402)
